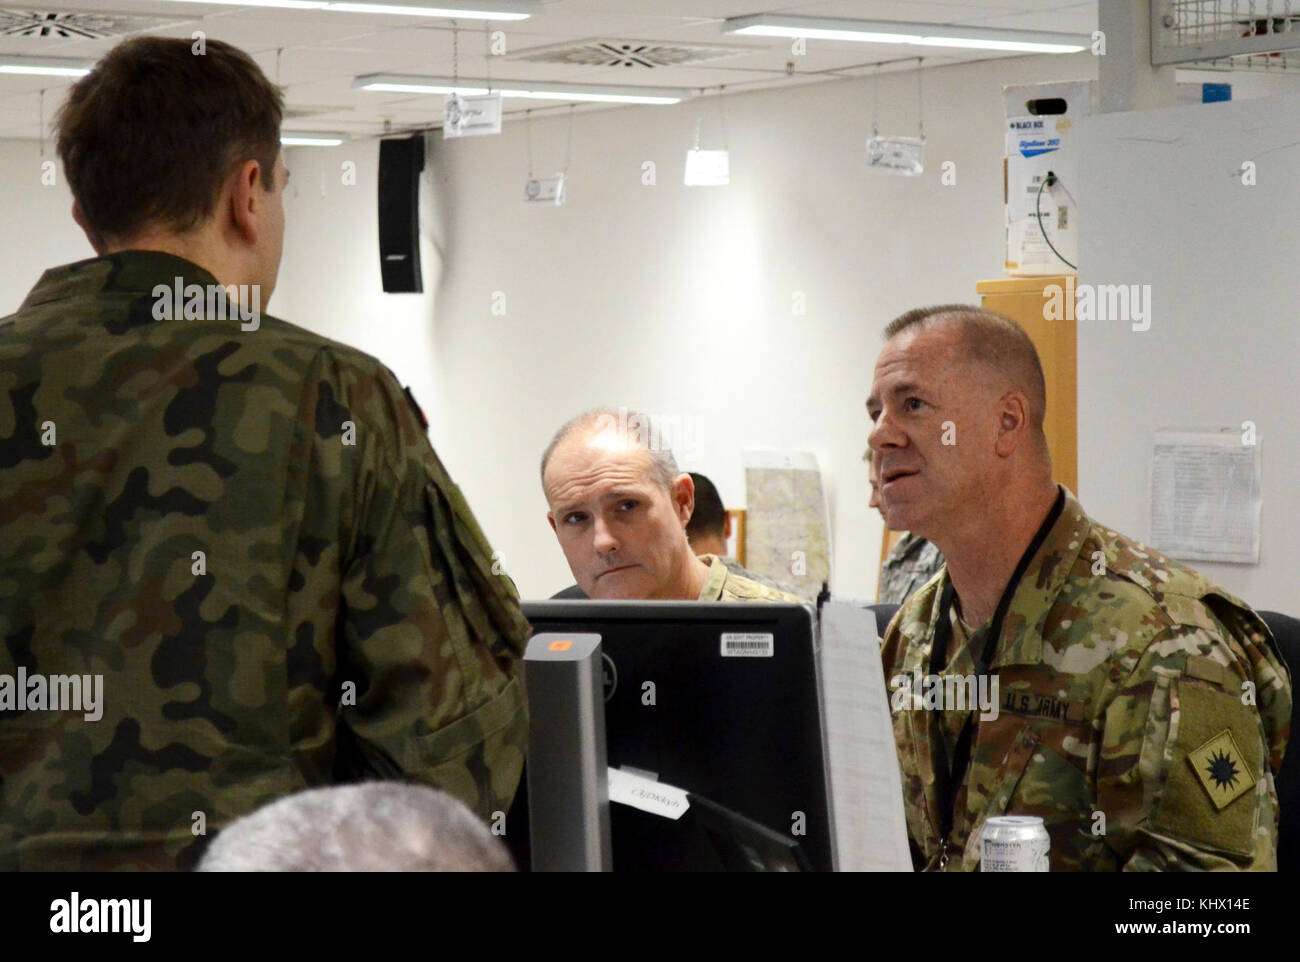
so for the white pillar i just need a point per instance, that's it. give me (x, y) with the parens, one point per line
(1125, 78)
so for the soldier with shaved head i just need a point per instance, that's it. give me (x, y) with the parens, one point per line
(619, 507)
(1143, 711)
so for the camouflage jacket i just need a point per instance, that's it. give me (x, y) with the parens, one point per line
(247, 534)
(1142, 712)
(723, 584)
(736, 568)
(911, 563)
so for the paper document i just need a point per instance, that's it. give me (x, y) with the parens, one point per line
(866, 787)
(1205, 495)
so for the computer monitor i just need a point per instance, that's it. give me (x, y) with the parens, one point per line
(722, 700)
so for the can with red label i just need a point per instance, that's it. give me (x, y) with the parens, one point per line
(1014, 843)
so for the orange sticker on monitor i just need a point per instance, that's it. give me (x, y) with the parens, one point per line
(560, 645)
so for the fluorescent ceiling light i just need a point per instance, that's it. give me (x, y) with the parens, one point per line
(44, 66)
(310, 138)
(916, 34)
(494, 10)
(526, 89)
(399, 10)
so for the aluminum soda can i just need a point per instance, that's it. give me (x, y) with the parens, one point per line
(1014, 843)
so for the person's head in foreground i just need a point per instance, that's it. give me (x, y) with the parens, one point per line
(619, 507)
(384, 826)
(958, 446)
(173, 146)
(709, 527)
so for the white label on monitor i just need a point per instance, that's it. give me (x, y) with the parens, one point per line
(630, 788)
(753, 644)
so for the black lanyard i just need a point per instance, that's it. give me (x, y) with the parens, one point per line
(948, 782)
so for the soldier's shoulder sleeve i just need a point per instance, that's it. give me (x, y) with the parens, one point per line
(431, 632)
(739, 588)
(1183, 775)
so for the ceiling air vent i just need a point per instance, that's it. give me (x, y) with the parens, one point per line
(63, 25)
(629, 53)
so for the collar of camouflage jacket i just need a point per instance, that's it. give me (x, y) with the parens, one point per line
(125, 271)
(1045, 576)
(712, 590)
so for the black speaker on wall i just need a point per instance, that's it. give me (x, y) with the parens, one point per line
(400, 164)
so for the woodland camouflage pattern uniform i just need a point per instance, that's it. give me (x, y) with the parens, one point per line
(326, 566)
(1121, 693)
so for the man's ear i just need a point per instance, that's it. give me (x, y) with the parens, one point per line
(79, 216)
(684, 497)
(1013, 423)
(726, 526)
(246, 196)
(550, 518)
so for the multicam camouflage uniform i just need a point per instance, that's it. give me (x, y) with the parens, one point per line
(736, 568)
(723, 584)
(1125, 719)
(249, 536)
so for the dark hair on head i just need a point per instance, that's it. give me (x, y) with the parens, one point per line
(994, 340)
(709, 516)
(150, 135)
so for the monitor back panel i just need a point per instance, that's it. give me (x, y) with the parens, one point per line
(743, 730)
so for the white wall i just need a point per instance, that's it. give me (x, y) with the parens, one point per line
(1246, 84)
(35, 220)
(329, 275)
(1165, 205)
(675, 300)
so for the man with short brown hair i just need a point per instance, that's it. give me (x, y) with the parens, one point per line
(1143, 711)
(233, 527)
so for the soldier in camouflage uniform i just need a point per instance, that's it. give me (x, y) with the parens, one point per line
(620, 507)
(243, 528)
(1141, 711)
(911, 563)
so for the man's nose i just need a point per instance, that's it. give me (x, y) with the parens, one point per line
(884, 434)
(605, 542)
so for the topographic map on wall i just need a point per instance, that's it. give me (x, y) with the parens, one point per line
(787, 536)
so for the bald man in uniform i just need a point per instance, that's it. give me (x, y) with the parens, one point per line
(619, 507)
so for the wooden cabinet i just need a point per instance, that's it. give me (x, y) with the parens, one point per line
(1022, 299)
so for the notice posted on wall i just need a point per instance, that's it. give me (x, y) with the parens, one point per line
(1205, 494)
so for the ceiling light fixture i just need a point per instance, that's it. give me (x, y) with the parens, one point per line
(526, 89)
(310, 138)
(495, 10)
(917, 34)
(44, 66)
